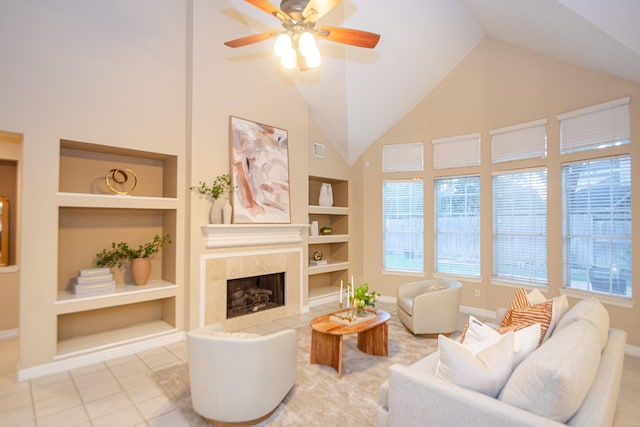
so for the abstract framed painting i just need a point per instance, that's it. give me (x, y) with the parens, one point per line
(260, 172)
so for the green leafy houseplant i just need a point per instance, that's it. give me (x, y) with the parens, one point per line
(364, 296)
(121, 252)
(221, 185)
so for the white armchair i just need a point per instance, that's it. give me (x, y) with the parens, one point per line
(429, 306)
(239, 377)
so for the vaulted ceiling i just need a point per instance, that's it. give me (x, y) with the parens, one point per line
(356, 94)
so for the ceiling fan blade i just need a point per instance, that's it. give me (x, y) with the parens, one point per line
(348, 36)
(270, 9)
(254, 38)
(316, 9)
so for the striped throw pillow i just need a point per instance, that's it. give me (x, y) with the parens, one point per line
(520, 300)
(539, 313)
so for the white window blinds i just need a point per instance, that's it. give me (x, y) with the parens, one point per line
(407, 157)
(520, 226)
(403, 225)
(456, 151)
(522, 141)
(599, 126)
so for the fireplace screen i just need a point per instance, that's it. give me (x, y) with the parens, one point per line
(252, 294)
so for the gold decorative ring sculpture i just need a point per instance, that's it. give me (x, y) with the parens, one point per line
(121, 176)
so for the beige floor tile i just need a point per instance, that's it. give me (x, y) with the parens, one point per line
(87, 369)
(135, 380)
(68, 417)
(170, 419)
(95, 377)
(161, 361)
(92, 392)
(9, 385)
(17, 415)
(120, 360)
(57, 403)
(47, 391)
(132, 367)
(50, 379)
(155, 407)
(144, 392)
(124, 417)
(15, 400)
(108, 405)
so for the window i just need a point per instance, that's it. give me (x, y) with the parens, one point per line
(597, 225)
(407, 157)
(457, 233)
(598, 126)
(403, 225)
(456, 151)
(520, 226)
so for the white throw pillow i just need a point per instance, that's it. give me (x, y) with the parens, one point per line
(536, 297)
(554, 380)
(524, 342)
(559, 308)
(485, 371)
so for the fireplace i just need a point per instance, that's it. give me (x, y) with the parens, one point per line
(253, 294)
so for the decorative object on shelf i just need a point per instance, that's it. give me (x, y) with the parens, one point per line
(326, 231)
(120, 177)
(121, 252)
(260, 162)
(326, 195)
(93, 280)
(317, 259)
(221, 186)
(227, 212)
(314, 228)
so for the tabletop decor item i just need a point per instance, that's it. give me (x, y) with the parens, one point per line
(221, 187)
(326, 231)
(139, 257)
(118, 177)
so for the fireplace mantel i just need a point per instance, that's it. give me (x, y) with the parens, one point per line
(234, 235)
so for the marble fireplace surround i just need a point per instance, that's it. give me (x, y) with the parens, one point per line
(239, 259)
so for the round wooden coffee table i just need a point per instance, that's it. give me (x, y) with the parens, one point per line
(326, 338)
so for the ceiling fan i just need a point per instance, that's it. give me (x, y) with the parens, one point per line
(295, 43)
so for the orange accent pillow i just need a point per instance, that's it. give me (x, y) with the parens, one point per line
(520, 300)
(525, 316)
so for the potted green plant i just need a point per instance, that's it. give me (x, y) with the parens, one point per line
(139, 257)
(221, 186)
(364, 297)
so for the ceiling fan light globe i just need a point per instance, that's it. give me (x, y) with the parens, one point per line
(313, 58)
(282, 45)
(306, 43)
(288, 60)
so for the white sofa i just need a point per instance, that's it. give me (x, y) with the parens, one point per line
(239, 377)
(429, 306)
(415, 396)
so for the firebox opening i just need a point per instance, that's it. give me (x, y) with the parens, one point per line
(252, 294)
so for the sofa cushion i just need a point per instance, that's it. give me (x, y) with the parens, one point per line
(483, 367)
(238, 335)
(592, 310)
(525, 340)
(553, 380)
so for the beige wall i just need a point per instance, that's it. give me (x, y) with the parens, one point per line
(245, 83)
(497, 85)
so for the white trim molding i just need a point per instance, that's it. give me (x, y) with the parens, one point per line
(234, 235)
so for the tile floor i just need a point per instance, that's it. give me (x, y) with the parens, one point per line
(121, 391)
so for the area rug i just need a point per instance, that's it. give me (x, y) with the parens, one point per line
(319, 397)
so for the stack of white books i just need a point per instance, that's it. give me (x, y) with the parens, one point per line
(93, 280)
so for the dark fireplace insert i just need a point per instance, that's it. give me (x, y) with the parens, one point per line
(252, 294)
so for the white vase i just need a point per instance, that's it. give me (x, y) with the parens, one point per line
(227, 211)
(215, 213)
(326, 195)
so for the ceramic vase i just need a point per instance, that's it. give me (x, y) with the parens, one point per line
(227, 212)
(215, 213)
(140, 270)
(326, 195)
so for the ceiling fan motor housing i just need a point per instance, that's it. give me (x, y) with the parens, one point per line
(294, 8)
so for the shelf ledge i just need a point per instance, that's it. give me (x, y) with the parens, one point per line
(233, 235)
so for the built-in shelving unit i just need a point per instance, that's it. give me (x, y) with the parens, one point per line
(90, 218)
(324, 280)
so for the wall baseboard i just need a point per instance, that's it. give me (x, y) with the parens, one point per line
(98, 356)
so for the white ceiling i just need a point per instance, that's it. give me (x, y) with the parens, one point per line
(356, 94)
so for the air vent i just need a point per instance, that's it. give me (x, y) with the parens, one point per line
(318, 150)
